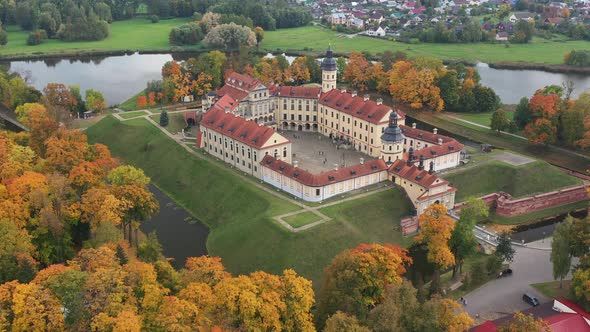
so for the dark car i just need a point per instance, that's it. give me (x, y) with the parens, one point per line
(505, 273)
(528, 298)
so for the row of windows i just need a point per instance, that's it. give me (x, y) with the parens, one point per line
(300, 117)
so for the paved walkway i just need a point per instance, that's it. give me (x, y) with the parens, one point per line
(304, 208)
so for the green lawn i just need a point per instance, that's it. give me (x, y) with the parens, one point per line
(552, 290)
(480, 118)
(537, 215)
(130, 115)
(518, 181)
(317, 39)
(131, 103)
(132, 35)
(239, 215)
(302, 219)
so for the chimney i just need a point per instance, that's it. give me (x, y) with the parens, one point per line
(421, 164)
(366, 97)
(414, 125)
(335, 167)
(431, 170)
(295, 163)
(362, 160)
(354, 92)
(410, 156)
(379, 101)
(343, 90)
(435, 131)
(439, 141)
(226, 109)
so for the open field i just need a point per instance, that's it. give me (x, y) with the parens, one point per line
(130, 35)
(317, 39)
(483, 119)
(552, 290)
(302, 219)
(239, 214)
(518, 181)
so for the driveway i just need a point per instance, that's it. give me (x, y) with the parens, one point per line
(503, 296)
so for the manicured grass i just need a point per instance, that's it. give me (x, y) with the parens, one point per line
(175, 123)
(302, 219)
(134, 35)
(131, 103)
(552, 290)
(130, 115)
(518, 181)
(239, 214)
(502, 141)
(317, 38)
(480, 118)
(537, 215)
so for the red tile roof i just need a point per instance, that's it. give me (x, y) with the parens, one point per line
(226, 101)
(237, 128)
(233, 92)
(242, 81)
(318, 180)
(355, 106)
(299, 92)
(412, 173)
(436, 150)
(424, 135)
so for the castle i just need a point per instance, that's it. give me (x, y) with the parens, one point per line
(240, 127)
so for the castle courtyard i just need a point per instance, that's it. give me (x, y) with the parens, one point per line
(317, 153)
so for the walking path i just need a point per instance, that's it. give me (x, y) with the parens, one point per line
(304, 208)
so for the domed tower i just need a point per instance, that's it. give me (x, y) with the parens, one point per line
(392, 141)
(329, 72)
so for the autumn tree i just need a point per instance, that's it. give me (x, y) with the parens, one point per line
(141, 101)
(204, 269)
(436, 229)
(356, 279)
(522, 322)
(66, 149)
(41, 125)
(35, 309)
(59, 98)
(415, 86)
(340, 322)
(584, 142)
(298, 71)
(95, 100)
(443, 314)
(541, 131)
(259, 32)
(357, 71)
(16, 252)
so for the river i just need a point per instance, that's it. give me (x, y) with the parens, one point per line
(120, 77)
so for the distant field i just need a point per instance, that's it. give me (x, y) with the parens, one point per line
(317, 38)
(518, 181)
(484, 119)
(239, 215)
(134, 35)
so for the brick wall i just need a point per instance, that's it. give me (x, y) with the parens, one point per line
(506, 206)
(409, 225)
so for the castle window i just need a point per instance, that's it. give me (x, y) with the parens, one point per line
(317, 192)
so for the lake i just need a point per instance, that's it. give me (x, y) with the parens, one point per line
(120, 77)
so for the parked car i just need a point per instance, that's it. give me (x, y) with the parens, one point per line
(505, 273)
(528, 298)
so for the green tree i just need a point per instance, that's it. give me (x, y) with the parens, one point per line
(164, 119)
(341, 322)
(486, 99)
(450, 90)
(463, 243)
(504, 249)
(561, 250)
(500, 121)
(3, 37)
(150, 249)
(95, 100)
(522, 116)
(341, 66)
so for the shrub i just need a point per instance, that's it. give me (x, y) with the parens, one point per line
(3, 37)
(36, 37)
(154, 19)
(186, 34)
(164, 119)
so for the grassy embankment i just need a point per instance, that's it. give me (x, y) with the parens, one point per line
(502, 141)
(552, 290)
(317, 38)
(130, 115)
(129, 35)
(483, 119)
(239, 214)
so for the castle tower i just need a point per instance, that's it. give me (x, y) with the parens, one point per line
(329, 72)
(392, 141)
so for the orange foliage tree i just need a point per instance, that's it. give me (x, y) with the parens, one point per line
(415, 86)
(298, 71)
(141, 101)
(357, 72)
(540, 131)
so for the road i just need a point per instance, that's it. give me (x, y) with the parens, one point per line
(502, 296)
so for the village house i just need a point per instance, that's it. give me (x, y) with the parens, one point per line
(522, 17)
